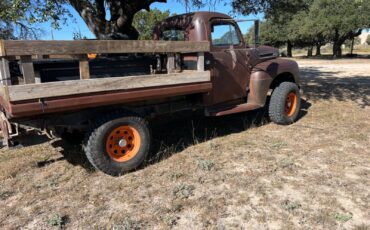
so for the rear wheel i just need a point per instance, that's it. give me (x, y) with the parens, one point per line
(118, 146)
(285, 104)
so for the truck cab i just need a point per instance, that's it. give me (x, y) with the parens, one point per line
(242, 74)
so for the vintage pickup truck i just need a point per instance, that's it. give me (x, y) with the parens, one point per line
(196, 61)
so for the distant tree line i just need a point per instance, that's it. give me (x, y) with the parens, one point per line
(311, 23)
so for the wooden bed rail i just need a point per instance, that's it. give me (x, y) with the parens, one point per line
(19, 48)
(26, 50)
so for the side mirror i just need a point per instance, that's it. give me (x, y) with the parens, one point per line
(256, 32)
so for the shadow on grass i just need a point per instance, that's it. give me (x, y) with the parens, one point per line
(323, 85)
(72, 153)
(176, 133)
(172, 134)
(330, 57)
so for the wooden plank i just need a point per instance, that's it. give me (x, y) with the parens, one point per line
(66, 88)
(5, 77)
(41, 57)
(65, 104)
(178, 62)
(100, 47)
(84, 67)
(4, 92)
(37, 77)
(27, 69)
(201, 60)
(171, 66)
(2, 49)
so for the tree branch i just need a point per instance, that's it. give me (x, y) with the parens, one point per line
(100, 9)
(90, 15)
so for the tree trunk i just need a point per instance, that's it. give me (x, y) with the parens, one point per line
(318, 50)
(337, 49)
(310, 51)
(289, 49)
(352, 46)
(121, 14)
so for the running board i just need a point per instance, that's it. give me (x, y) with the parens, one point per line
(223, 111)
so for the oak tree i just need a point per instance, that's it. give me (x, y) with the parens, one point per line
(145, 21)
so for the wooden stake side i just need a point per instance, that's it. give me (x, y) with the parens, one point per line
(171, 63)
(68, 88)
(84, 67)
(27, 69)
(201, 62)
(19, 48)
(2, 49)
(5, 71)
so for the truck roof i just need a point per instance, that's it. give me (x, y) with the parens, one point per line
(191, 22)
(201, 15)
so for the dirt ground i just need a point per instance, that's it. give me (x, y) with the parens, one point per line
(236, 172)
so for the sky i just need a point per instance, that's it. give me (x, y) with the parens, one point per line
(77, 24)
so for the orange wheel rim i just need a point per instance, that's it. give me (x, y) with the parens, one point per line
(123, 143)
(291, 104)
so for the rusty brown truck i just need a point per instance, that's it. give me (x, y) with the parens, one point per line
(108, 90)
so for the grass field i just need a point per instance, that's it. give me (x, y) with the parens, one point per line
(236, 172)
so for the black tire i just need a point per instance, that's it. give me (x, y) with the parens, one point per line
(96, 147)
(279, 102)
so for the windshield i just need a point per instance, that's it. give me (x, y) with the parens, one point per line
(224, 34)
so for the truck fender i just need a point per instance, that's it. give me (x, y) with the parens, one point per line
(264, 74)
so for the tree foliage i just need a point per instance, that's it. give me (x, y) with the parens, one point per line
(145, 21)
(340, 20)
(308, 23)
(107, 19)
(14, 25)
(368, 39)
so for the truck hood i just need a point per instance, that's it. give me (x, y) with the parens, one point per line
(266, 52)
(261, 54)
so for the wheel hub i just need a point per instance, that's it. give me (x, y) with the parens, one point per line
(123, 143)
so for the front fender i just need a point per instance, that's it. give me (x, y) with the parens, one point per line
(264, 74)
(279, 66)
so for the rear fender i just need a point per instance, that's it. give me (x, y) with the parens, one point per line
(264, 74)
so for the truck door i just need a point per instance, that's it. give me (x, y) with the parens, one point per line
(228, 62)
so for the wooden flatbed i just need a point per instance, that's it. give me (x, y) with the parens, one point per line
(31, 97)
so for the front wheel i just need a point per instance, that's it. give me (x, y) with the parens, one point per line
(118, 146)
(285, 104)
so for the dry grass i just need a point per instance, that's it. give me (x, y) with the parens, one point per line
(236, 172)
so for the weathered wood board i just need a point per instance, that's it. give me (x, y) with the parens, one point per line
(76, 87)
(19, 48)
(28, 70)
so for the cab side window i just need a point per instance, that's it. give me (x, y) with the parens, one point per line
(224, 34)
